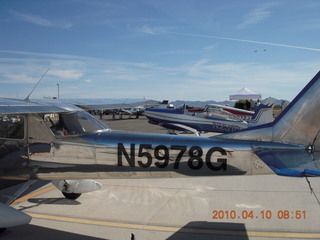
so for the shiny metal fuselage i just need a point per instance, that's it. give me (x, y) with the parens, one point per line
(127, 155)
(110, 154)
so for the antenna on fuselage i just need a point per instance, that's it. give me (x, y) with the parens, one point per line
(28, 97)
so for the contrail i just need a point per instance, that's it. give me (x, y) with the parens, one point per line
(245, 40)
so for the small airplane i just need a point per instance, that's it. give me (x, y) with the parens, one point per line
(213, 118)
(230, 112)
(65, 144)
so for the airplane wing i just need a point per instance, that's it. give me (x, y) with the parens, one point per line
(13, 106)
(180, 127)
(50, 105)
(110, 106)
(11, 217)
(10, 191)
(293, 163)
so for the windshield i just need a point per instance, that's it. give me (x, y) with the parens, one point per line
(73, 123)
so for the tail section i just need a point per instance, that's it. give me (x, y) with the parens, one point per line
(262, 115)
(299, 123)
(298, 127)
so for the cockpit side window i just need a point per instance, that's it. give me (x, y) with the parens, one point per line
(73, 123)
(12, 126)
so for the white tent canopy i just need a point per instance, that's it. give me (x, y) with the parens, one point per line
(245, 93)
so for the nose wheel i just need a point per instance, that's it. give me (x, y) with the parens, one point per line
(71, 196)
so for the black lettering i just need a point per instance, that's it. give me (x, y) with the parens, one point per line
(122, 152)
(161, 153)
(145, 154)
(180, 155)
(195, 154)
(223, 161)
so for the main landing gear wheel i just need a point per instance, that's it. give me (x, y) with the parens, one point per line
(72, 196)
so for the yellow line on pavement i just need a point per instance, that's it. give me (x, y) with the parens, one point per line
(161, 228)
(34, 194)
(177, 229)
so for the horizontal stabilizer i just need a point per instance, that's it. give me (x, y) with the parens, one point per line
(292, 163)
(311, 173)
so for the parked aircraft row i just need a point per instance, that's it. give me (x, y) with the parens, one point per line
(128, 108)
(55, 141)
(213, 118)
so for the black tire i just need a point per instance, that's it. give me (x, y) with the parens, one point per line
(2, 230)
(72, 196)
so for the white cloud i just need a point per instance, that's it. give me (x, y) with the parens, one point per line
(312, 24)
(206, 78)
(245, 40)
(202, 79)
(38, 55)
(40, 21)
(151, 30)
(17, 78)
(258, 14)
(66, 74)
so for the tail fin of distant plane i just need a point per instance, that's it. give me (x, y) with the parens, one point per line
(263, 114)
(299, 123)
(164, 104)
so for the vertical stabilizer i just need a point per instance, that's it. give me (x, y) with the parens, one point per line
(299, 122)
(263, 114)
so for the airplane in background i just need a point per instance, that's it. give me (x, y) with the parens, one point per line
(213, 118)
(66, 145)
(237, 114)
(229, 112)
(99, 105)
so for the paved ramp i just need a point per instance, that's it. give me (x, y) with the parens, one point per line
(242, 207)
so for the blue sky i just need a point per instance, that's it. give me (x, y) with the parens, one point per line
(168, 49)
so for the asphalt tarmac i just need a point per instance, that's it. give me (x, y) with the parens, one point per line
(202, 208)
